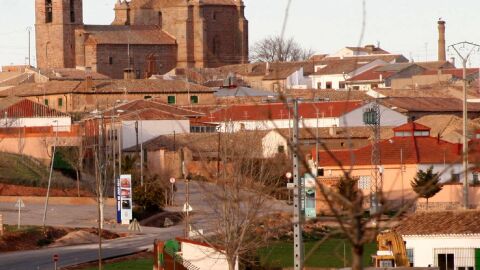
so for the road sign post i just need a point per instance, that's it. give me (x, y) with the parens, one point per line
(172, 182)
(55, 260)
(19, 205)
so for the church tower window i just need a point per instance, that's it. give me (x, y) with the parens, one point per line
(48, 11)
(216, 46)
(160, 19)
(72, 11)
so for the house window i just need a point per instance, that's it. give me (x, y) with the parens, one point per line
(60, 102)
(48, 11)
(364, 182)
(356, 88)
(475, 178)
(421, 133)
(171, 100)
(110, 60)
(319, 85)
(320, 172)
(445, 261)
(403, 134)
(410, 256)
(72, 11)
(341, 85)
(215, 15)
(194, 99)
(147, 97)
(328, 85)
(45, 101)
(455, 178)
(281, 149)
(374, 85)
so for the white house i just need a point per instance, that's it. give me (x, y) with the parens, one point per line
(449, 240)
(359, 51)
(333, 74)
(269, 116)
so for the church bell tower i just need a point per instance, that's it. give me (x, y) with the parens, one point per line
(55, 24)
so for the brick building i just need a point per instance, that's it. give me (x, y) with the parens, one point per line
(147, 36)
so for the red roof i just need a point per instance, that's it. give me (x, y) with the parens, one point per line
(397, 150)
(456, 72)
(275, 111)
(14, 107)
(412, 126)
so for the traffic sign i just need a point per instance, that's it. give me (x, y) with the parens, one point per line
(187, 208)
(290, 185)
(19, 203)
(172, 180)
(55, 257)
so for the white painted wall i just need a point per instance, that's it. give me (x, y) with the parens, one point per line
(298, 80)
(234, 126)
(426, 248)
(271, 142)
(149, 129)
(205, 258)
(446, 170)
(388, 117)
(36, 122)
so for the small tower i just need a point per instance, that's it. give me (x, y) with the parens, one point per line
(122, 13)
(55, 24)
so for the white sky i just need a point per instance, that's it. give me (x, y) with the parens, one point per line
(401, 26)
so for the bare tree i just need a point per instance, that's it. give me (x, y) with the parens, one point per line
(242, 196)
(278, 49)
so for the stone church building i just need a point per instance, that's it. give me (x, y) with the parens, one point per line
(146, 37)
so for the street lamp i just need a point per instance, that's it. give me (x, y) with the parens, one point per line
(50, 176)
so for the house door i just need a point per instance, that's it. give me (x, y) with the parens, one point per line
(446, 262)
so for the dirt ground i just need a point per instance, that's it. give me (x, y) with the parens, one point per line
(30, 238)
(14, 190)
(141, 255)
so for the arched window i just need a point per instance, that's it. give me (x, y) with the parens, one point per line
(72, 11)
(216, 46)
(160, 19)
(48, 11)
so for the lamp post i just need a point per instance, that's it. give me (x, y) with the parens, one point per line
(50, 176)
(468, 49)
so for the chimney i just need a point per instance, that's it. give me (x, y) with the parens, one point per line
(88, 83)
(267, 68)
(332, 131)
(442, 56)
(128, 74)
(370, 48)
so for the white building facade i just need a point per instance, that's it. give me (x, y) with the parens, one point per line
(455, 252)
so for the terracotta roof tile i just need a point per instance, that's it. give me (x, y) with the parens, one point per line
(440, 223)
(124, 34)
(268, 111)
(14, 107)
(415, 150)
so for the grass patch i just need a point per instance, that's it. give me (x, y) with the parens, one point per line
(137, 264)
(328, 254)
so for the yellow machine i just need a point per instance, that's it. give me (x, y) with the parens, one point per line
(391, 251)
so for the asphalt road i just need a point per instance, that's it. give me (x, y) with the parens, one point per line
(85, 216)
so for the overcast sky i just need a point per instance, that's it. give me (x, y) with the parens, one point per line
(400, 26)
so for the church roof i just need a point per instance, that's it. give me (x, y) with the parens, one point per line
(126, 34)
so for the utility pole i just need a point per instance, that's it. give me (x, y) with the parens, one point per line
(50, 178)
(464, 50)
(297, 196)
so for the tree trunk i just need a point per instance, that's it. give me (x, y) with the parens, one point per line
(78, 183)
(427, 204)
(231, 263)
(357, 255)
